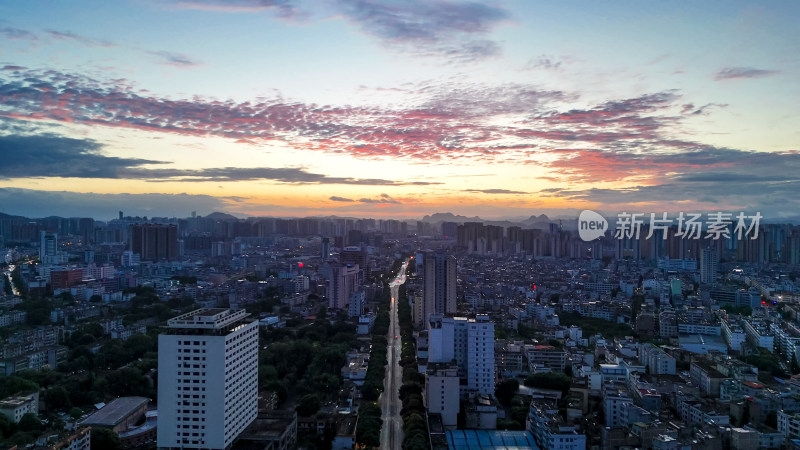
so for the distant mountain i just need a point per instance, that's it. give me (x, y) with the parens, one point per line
(449, 217)
(540, 221)
(541, 218)
(9, 216)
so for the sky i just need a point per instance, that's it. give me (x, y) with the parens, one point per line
(398, 109)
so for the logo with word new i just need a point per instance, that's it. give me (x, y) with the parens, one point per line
(591, 225)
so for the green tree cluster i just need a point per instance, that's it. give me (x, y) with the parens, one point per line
(105, 438)
(592, 326)
(21, 433)
(744, 310)
(505, 391)
(15, 384)
(376, 371)
(267, 302)
(549, 380)
(309, 405)
(368, 433)
(766, 362)
(182, 279)
(415, 425)
(305, 361)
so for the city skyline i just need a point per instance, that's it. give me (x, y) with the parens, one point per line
(398, 109)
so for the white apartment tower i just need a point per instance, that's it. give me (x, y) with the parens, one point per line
(441, 344)
(207, 378)
(442, 392)
(480, 355)
(471, 343)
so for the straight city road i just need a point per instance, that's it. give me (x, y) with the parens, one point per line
(392, 430)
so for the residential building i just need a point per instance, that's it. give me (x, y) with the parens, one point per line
(154, 242)
(549, 429)
(789, 424)
(418, 311)
(480, 354)
(615, 396)
(16, 407)
(657, 361)
(79, 440)
(341, 285)
(708, 265)
(706, 377)
(734, 335)
(471, 343)
(358, 300)
(442, 392)
(758, 334)
(439, 283)
(547, 357)
(787, 339)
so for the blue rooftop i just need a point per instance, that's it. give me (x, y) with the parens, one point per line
(490, 439)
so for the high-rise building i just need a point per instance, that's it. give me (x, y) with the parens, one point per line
(48, 247)
(207, 378)
(154, 242)
(471, 343)
(480, 355)
(355, 306)
(449, 230)
(342, 283)
(354, 255)
(441, 344)
(708, 266)
(418, 311)
(326, 249)
(427, 267)
(439, 283)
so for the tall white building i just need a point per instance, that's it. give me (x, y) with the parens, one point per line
(441, 339)
(442, 392)
(480, 355)
(207, 378)
(471, 343)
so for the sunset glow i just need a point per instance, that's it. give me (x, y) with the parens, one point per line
(398, 109)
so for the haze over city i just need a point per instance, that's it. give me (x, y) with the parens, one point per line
(398, 109)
